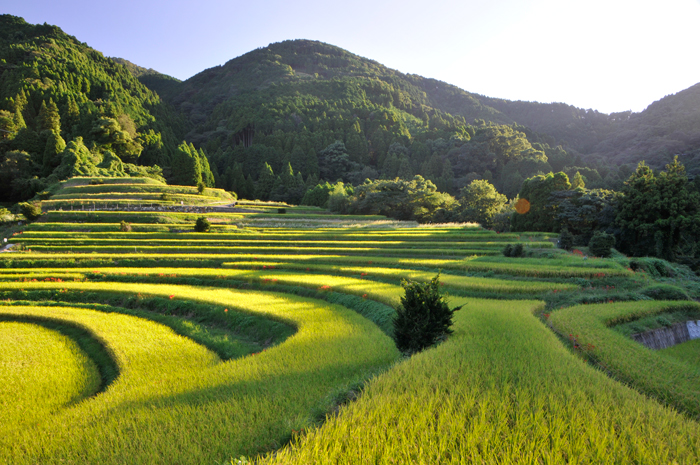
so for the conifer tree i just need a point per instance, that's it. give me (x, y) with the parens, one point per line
(266, 181)
(207, 175)
(186, 169)
(55, 145)
(249, 192)
(405, 170)
(49, 118)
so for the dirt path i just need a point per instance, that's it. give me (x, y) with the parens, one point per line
(7, 248)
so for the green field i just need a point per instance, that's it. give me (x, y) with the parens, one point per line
(270, 338)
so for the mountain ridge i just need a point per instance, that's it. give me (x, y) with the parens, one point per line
(285, 105)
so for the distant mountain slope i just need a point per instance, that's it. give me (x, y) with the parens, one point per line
(158, 82)
(667, 127)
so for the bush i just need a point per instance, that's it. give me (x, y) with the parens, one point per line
(165, 197)
(202, 224)
(508, 250)
(665, 292)
(601, 244)
(281, 210)
(200, 187)
(124, 226)
(518, 250)
(566, 239)
(31, 211)
(655, 267)
(423, 318)
(514, 250)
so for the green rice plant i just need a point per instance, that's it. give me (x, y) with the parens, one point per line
(236, 250)
(466, 283)
(687, 353)
(588, 327)
(502, 389)
(286, 273)
(175, 401)
(665, 292)
(35, 385)
(239, 240)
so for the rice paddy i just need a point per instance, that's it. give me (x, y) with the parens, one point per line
(270, 338)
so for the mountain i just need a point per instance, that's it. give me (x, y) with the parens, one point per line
(62, 101)
(284, 101)
(667, 127)
(288, 102)
(305, 110)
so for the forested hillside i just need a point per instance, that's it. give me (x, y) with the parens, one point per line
(297, 112)
(334, 115)
(668, 127)
(67, 110)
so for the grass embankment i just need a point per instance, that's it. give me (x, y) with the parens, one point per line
(687, 352)
(189, 407)
(35, 386)
(502, 389)
(588, 327)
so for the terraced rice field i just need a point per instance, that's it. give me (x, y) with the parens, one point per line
(270, 338)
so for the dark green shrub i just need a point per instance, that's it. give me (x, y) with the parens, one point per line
(665, 292)
(202, 224)
(601, 244)
(423, 318)
(508, 250)
(655, 267)
(566, 239)
(31, 211)
(200, 187)
(518, 250)
(281, 210)
(165, 197)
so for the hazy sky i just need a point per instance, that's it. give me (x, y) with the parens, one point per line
(608, 55)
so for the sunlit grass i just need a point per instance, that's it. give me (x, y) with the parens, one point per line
(687, 352)
(42, 371)
(179, 409)
(351, 280)
(665, 378)
(502, 389)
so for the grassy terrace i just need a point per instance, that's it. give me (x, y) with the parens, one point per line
(269, 338)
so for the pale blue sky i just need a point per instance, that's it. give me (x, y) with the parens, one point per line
(608, 55)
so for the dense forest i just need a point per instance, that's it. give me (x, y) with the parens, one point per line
(67, 110)
(304, 121)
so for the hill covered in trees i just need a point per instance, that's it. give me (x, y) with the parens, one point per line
(290, 102)
(65, 109)
(301, 110)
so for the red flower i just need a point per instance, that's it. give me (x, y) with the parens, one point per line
(171, 297)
